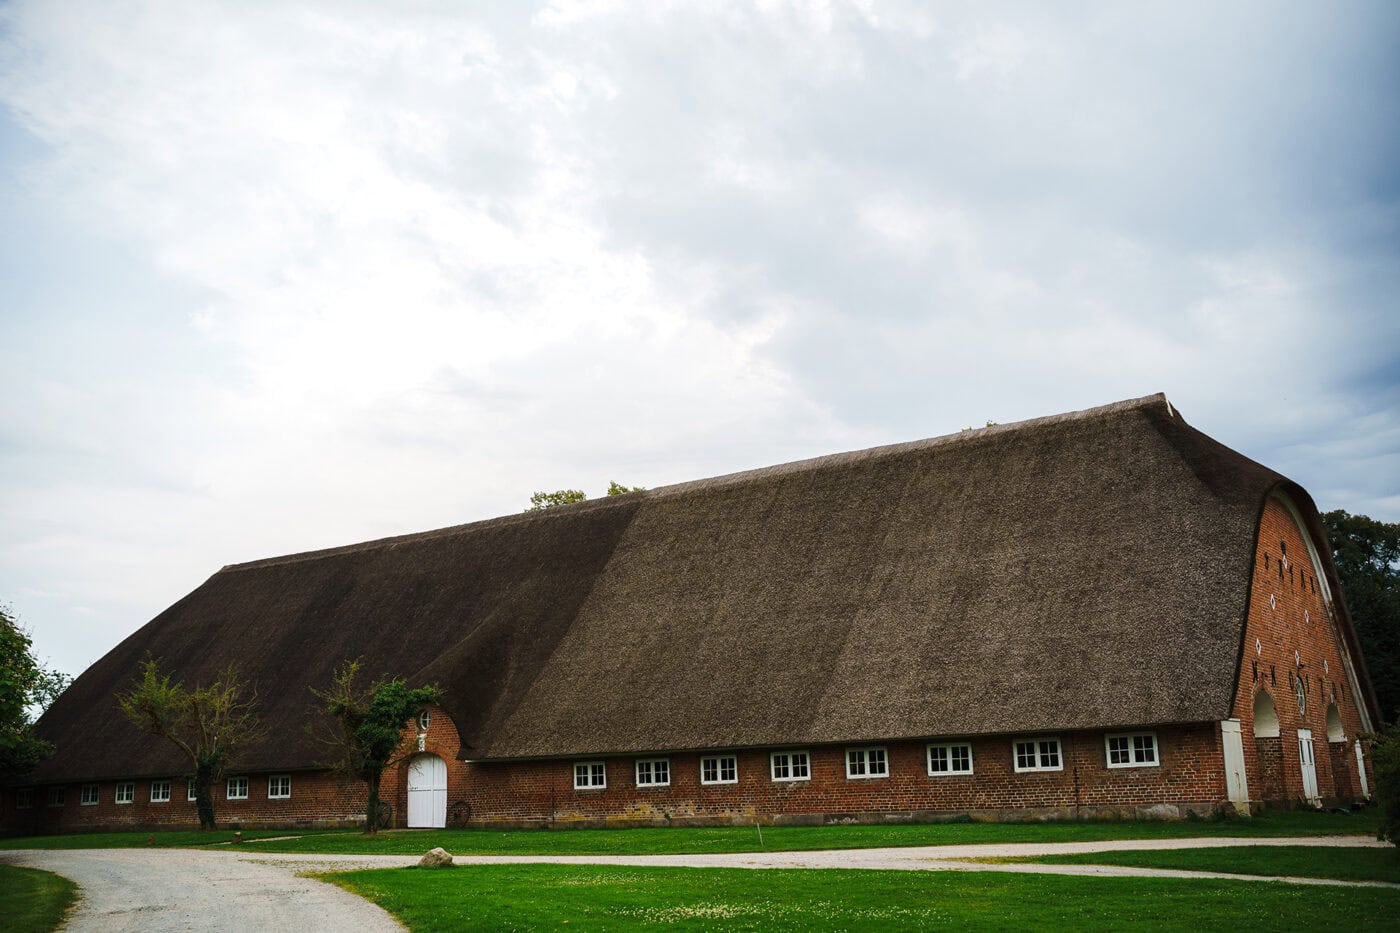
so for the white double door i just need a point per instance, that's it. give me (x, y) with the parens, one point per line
(427, 792)
(1307, 763)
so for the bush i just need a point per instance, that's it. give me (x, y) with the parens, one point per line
(1385, 760)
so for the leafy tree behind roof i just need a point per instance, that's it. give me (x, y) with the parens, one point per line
(1367, 555)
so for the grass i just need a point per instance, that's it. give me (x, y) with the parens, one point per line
(685, 841)
(528, 897)
(35, 901)
(163, 839)
(1288, 861)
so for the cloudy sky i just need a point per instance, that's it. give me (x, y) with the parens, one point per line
(277, 276)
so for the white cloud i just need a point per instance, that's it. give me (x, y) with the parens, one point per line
(359, 270)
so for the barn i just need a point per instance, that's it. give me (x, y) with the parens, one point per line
(1104, 613)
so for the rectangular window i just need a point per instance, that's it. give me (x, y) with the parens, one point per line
(791, 766)
(88, 795)
(191, 794)
(1038, 755)
(279, 787)
(720, 769)
(653, 772)
(160, 792)
(24, 798)
(56, 796)
(955, 758)
(126, 792)
(867, 763)
(590, 775)
(237, 788)
(1134, 750)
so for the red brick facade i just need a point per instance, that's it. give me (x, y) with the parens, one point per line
(1291, 640)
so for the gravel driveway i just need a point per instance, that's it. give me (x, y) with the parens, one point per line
(189, 889)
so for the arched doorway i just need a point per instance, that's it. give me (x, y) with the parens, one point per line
(427, 792)
(1268, 748)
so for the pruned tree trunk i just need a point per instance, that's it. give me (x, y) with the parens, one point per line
(372, 804)
(204, 796)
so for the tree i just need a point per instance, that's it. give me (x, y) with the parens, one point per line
(549, 500)
(370, 726)
(1367, 555)
(211, 725)
(25, 685)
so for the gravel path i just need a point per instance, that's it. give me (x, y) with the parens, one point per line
(169, 890)
(186, 889)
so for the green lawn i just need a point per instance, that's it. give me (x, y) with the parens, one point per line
(164, 839)
(1290, 861)
(724, 839)
(34, 901)
(680, 841)
(530, 897)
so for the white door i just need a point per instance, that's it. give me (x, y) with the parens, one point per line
(427, 792)
(1305, 761)
(1361, 771)
(1236, 785)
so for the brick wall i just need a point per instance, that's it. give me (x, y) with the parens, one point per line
(1291, 638)
(1190, 773)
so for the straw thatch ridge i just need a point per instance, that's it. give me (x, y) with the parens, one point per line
(1081, 571)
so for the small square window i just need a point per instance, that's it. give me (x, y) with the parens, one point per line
(87, 797)
(590, 775)
(160, 792)
(24, 798)
(790, 766)
(1038, 755)
(237, 788)
(867, 763)
(954, 758)
(56, 796)
(279, 787)
(653, 772)
(1134, 750)
(126, 792)
(719, 769)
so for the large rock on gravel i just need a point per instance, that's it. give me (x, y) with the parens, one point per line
(436, 858)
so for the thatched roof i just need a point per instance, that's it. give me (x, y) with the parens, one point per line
(1080, 571)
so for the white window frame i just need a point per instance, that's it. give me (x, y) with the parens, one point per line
(230, 793)
(790, 765)
(948, 748)
(125, 792)
(1040, 753)
(160, 791)
(275, 781)
(425, 719)
(652, 765)
(719, 769)
(87, 797)
(586, 770)
(860, 763)
(58, 796)
(1132, 750)
(191, 792)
